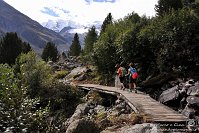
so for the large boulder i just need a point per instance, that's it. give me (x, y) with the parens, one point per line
(193, 101)
(188, 112)
(138, 128)
(169, 95)
(78, 74)
(80, 111)
(82, 126)
(193, 91)
(77, 71)
(143, 128)
(159, 80)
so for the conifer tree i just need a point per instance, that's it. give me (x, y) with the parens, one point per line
(10, 47)
(89, 40)
(50, 52)
(75, 47)
(108, 20)
(165, 6)
(26, 47)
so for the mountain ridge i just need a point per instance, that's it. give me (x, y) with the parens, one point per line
(60, 24)
(11, 20)
(68, 28)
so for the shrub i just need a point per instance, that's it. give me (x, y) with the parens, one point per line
(33, 72)
(16, 109)
(38, 76)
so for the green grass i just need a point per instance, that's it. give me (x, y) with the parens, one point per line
(61, 74)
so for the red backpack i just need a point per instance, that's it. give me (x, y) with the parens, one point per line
(135, 75)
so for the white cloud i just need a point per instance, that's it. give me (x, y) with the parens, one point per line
(80, 10)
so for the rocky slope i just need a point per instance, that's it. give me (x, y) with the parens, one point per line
(116, 116)
(107, 113)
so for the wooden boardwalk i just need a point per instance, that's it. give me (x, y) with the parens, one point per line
(141, 103)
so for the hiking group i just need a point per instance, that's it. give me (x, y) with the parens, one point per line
(129, 77)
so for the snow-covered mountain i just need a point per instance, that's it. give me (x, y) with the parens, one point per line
(58, 25)
(70, 26)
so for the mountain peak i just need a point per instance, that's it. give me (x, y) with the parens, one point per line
(71, 26)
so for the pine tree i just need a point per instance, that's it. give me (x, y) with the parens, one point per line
(108, 20)
(165, 6)
(26, 47)
(50, 52)
(10, 47)
(75, 47)
(193, 5)
(89, 40)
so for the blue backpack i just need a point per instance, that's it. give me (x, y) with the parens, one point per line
(132, 70)
(134, 73)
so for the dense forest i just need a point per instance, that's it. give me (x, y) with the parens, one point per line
(30, 92)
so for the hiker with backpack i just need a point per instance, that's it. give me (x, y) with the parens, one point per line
(121, 74)
(132, 73)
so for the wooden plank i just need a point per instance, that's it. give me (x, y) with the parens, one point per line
(141, 102)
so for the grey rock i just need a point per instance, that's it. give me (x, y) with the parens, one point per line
(82, 126)
(77, 71)
(193, 101)
(188, 112)
(138, 128)
(81, 77)
(91, 111)
(99, 108)
(120, 106)
(81, 110)
(118, 101)
(91, 106)
(191, 81)
(169, 95)
(193, 91)
(143, 128)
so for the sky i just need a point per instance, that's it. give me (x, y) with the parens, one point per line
(82, 11)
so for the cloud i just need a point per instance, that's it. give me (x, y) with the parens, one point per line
(112, 1)
(49, 12)
(100, 1)
(82, 11)
(65, 11)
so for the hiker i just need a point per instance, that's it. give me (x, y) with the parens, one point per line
(132, 73)
(121, 74)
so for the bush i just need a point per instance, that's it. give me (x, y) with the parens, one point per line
(63, 102)
(33, 72)
(41, 83)
(16, 109)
